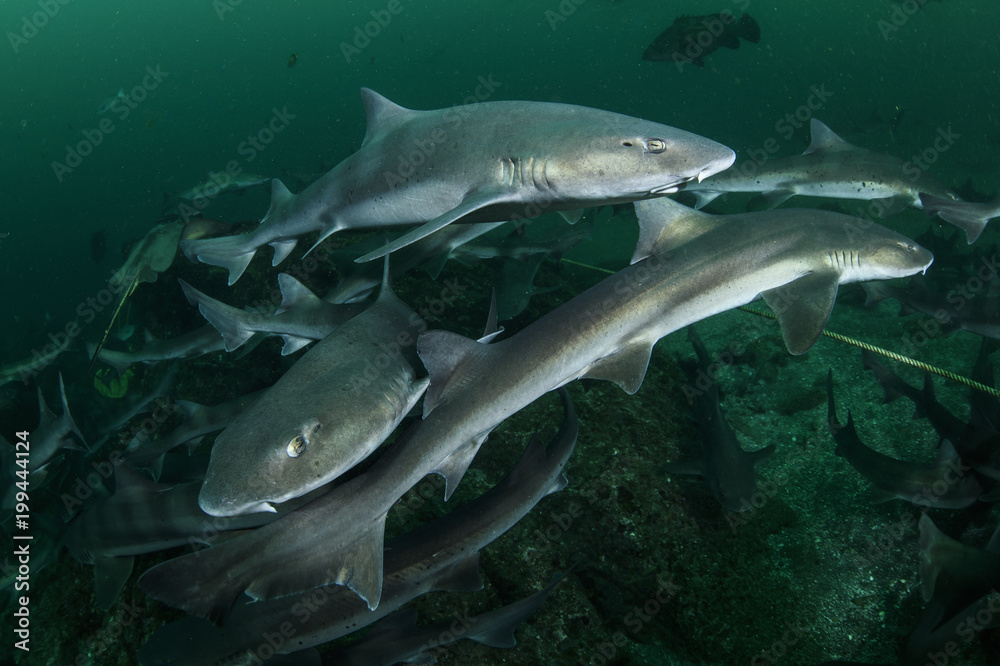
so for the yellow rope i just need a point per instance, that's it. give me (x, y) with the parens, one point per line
(971, 383)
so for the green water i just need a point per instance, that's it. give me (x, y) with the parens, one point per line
(224, 74)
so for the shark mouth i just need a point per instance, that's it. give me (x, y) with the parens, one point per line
(678, 185)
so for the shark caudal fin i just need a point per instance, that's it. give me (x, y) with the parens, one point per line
(230, 252)
(970, 217)
(226, 319)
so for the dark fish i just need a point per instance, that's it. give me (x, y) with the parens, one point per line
(292, 59)
(690, 38)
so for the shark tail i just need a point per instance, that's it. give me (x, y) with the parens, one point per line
(931, 542)
(970, 217)
(226, 319)
(67, 417)
(230, 252)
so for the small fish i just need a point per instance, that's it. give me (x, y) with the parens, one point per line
(110, 102)
(690, 38)
(292, 59)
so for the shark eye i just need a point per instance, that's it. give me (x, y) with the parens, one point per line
(655, 145)
(297, 446)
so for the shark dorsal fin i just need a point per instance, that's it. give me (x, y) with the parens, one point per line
(626, 367)
(443, 353)
(295, 294)
(665, 224)
(803, 307)
(380, 113)
(279, 195)
(825, 139)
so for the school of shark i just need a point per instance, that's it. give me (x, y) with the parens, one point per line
(334, 482)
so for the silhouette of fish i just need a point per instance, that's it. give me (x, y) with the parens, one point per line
(690, 38)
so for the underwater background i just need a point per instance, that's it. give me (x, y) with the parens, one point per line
(893, 78)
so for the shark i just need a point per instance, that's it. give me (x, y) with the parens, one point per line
(52, 433)
(832, 167)
(485, 162)
(142, 517)
(728, 469)
(301, 318)
(25, 369)
(440, 555)
(397, 639)
(688, 265)
(330, 411)
(919, 483)
(204, 340)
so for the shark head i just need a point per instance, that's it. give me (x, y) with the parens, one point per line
(627, 158)
(272, 467)
(884, 255)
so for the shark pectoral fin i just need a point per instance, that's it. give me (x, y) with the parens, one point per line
(572, 216)
(626, 367)
(665, 224)
(462, 576)
(469, 205)
(282, 248)
(110, 574)
(878, 495)
(454, 466)
(803, 307)
(293, 343)
(775, 198)
(443, 353)
(704, 197)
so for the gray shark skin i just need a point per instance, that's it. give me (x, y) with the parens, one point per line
(52, 431)
(832, 167)
(728, 469)
(301, 318)
(397, 639)
(689, 266)
(331, 410)
(484, 162)
(441, 555)
(958, 567)
(892, 479)
(204, 340)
